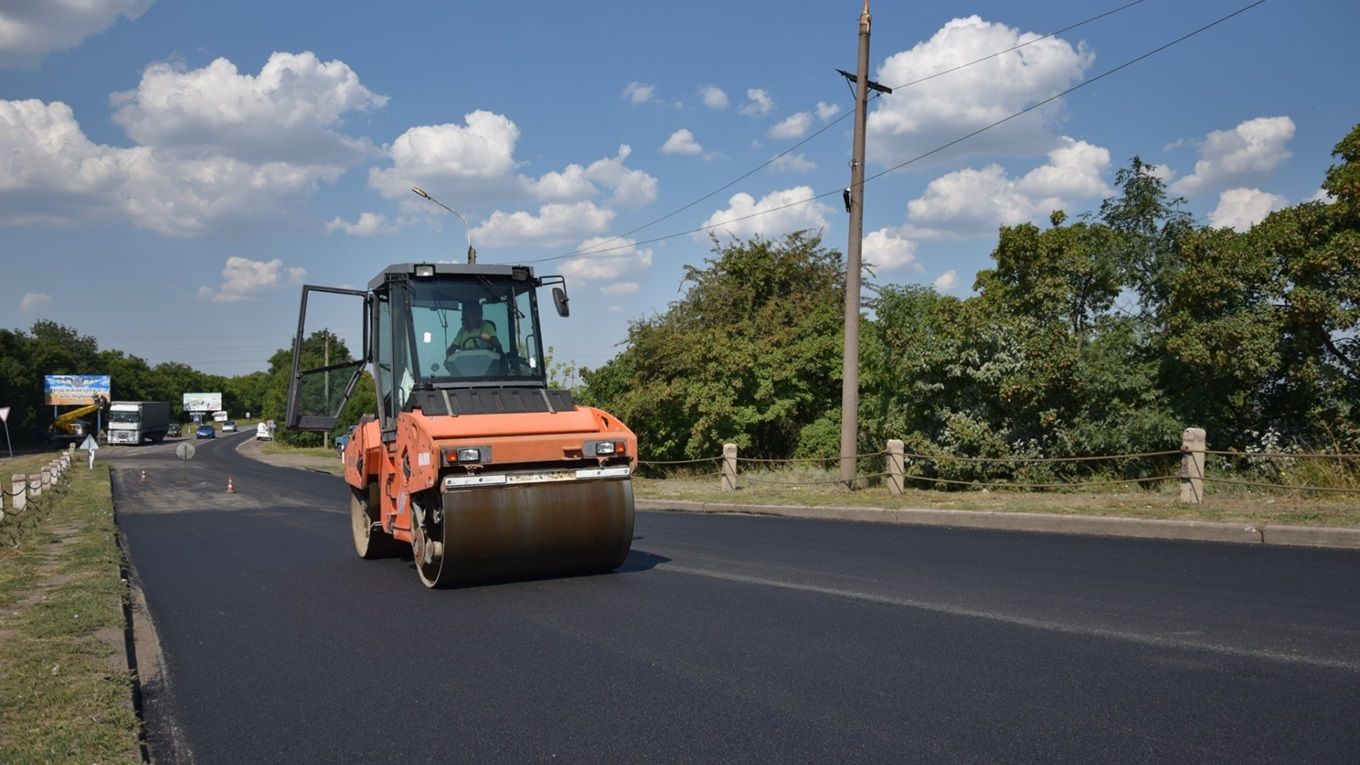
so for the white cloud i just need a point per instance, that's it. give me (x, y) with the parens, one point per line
(245, 279)
(682, 142)
(973, 202)
(946, 281)
(826, 111)
(368, 224)
(793, 163)
(713, 96)
(554, 225)
(885, 250)
(1240, 209)
(639, 93)
(1245, 154)
(52, 174)
(30, 29)
(1322, 195)
(793, 126)
(33, 301)
(289, 112)
(631, 188)
(608, 258)
(758, 103)
(936, 111)
(621, 288)
(776, 214)
(480, 151)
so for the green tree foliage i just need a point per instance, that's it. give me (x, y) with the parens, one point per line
(750, 353)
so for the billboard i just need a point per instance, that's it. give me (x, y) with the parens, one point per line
(202, 402)
(74, 390)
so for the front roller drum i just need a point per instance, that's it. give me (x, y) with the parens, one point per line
(521, 531)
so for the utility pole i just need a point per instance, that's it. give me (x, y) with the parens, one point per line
(850, 359)
(325, 434)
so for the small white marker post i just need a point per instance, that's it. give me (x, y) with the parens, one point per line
(91, 444)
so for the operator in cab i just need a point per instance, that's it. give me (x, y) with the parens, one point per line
(476, 334)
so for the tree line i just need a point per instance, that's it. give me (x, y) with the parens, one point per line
(1103, 334)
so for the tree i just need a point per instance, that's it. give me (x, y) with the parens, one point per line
(750, 353)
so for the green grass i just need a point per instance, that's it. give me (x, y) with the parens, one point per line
(66, 695)
(1131, 500)
(274, 447)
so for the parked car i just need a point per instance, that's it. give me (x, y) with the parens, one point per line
(229, 426)
(341, 441)
(206, 431)
(173, 430)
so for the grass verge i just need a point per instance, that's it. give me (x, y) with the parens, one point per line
(65, 693)
(1131, 500)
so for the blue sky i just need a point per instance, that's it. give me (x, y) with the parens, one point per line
(171, 172)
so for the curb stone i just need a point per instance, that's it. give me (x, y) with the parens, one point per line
(1199, 531)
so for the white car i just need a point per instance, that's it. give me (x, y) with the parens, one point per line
(229, 427)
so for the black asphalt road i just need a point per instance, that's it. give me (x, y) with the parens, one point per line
(729, 638)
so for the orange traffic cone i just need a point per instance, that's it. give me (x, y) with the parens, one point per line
(231, 489)
(143, 477)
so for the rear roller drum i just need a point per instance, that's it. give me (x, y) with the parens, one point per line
(370, 541)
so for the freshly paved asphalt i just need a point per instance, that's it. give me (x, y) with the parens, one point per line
(728, 638)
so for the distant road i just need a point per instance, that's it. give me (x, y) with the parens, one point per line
(729, 638)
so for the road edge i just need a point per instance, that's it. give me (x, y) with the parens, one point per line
(1049, 523)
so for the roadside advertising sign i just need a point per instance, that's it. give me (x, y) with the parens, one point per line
(202, 402)
(75, 390)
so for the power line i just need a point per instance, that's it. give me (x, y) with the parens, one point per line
(600, 248)
(936, 150)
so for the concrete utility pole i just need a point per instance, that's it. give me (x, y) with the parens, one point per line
(326, 396)
(850, 361)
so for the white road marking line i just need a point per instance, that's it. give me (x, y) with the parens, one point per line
(1158, 641)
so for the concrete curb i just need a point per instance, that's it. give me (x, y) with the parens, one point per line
(1200, 531)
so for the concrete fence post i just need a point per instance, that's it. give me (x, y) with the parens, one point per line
(1192, 465)
(729, 467)
(897, 466)
(46, 476)
(35, 485)
(20, 491)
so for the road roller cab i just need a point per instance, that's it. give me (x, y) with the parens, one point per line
(471, 462)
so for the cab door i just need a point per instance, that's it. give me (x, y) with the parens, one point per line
(324, 373)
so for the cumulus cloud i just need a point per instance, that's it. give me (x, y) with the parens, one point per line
(939, 110)
(639, 93)
(213, 148)
(886, 250)
(290, 111)
(682, 142)
(826, 111)
(713, 96)
(945, 282)
(758, 103)
(606, 259)
(368, 224)
(30, 29)
(1240, 209)
(792, 163)
(621, 288)
(481, 150)
(776, 214)
(245, 279)
(554, 225)
(52, 174)
(973, 202)
(34, 301)
(793, 126)
(1247, 153)
(629, 187)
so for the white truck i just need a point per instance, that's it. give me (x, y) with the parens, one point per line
(133, 422)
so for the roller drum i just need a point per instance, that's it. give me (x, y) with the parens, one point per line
(523, 531)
